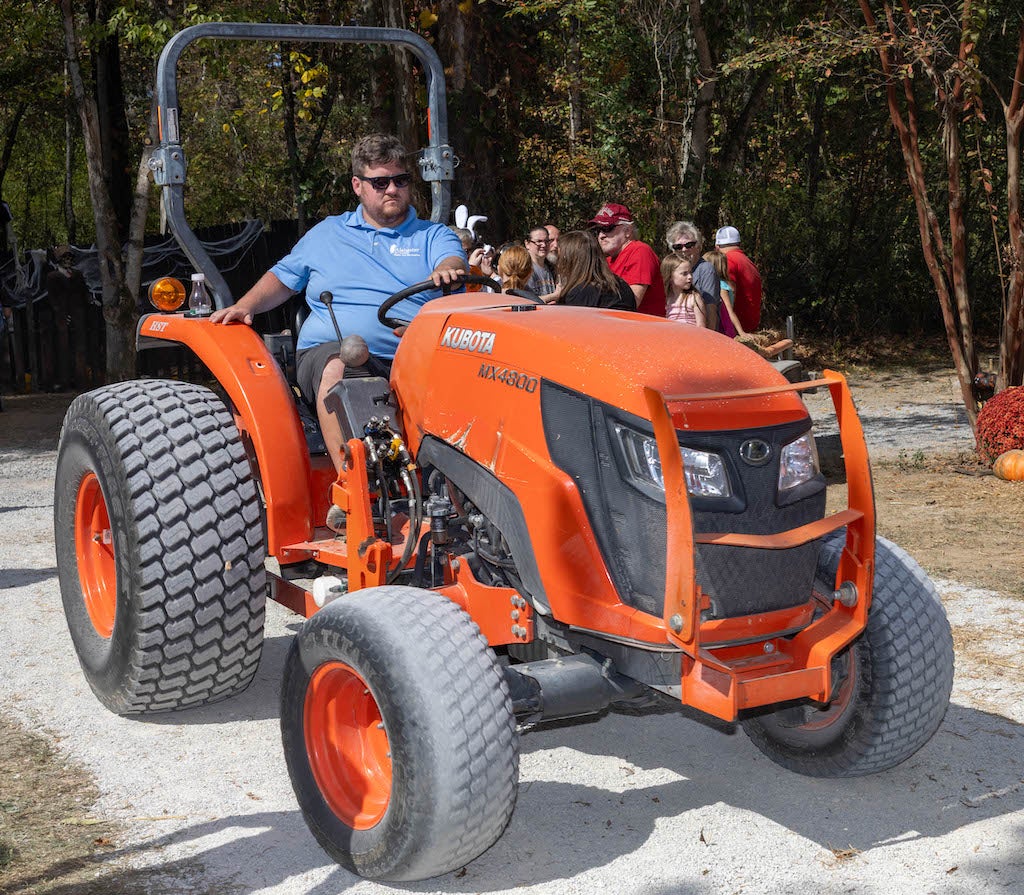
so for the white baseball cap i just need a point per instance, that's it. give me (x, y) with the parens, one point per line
(727, 236)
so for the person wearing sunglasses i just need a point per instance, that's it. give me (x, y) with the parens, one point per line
(684, 241)
(629, 258)
(361, 257)
(542, 283)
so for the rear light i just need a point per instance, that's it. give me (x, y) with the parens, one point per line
(167, 294)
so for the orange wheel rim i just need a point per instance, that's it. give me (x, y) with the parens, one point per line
(94, 546)
(347, 745)
(841, 698)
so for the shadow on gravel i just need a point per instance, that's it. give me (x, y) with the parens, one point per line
(258, 703)
(650, 769)
(973, 770)
(264, 831)
(23, 577)
(936, 417)
(642, 771)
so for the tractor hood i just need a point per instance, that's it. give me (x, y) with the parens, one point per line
(469, 357)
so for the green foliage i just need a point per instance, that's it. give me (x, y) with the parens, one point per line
(567, 104)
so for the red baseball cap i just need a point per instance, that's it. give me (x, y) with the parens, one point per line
(611, 213)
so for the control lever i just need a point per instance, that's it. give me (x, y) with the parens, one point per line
(352, 349)
(328, 298)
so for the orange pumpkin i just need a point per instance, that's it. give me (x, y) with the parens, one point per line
(1010, 466)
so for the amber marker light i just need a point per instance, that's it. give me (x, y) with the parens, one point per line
(167, 294)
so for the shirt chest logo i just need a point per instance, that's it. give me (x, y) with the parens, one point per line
(405, 251)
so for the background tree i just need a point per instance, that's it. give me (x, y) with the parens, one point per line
(99, 97)
(776, 119)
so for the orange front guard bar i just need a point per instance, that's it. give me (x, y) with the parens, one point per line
(723, 681)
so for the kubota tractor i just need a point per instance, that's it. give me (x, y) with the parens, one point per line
(549, 510)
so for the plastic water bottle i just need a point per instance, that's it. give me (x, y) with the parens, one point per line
(199, 304)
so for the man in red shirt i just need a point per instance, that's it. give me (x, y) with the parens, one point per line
(630, 258)
(746, 281)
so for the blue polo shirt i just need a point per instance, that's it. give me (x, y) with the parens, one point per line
(361, 266)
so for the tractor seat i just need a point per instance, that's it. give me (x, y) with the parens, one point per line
(282, 347)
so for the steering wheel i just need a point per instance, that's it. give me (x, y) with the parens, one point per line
(392, 300)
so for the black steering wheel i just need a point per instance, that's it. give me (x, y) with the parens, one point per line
(461, 280)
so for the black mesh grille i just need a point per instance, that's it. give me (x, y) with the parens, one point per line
(630, 525)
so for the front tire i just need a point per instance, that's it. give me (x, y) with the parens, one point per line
(159, 537)
(399, 734)
(892, 685)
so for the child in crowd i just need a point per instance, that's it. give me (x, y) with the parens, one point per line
(730, 323)
(682, 301)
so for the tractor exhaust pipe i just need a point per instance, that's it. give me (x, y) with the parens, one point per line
(567, 687)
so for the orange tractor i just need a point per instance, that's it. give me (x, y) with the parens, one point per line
(549, 512)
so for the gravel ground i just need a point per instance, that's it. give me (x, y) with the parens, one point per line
(901, 414)
(663, 804)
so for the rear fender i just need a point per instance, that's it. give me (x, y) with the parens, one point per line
(246, 370)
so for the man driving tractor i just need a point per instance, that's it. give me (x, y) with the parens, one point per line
(360, 257)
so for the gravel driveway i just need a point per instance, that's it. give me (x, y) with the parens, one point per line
(664, 804)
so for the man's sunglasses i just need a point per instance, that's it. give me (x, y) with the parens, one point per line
(679, 246)
(401, 181)
(606, 228)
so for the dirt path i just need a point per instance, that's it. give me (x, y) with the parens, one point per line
(199, 802)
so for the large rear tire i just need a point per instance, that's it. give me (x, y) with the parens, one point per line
(159, 537)
(891, 687)
(399, 734)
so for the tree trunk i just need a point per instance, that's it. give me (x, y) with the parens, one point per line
(814, 146)
(291, 139)
(113, 120)
(736, 139)
(70, 221)
(574, 61)
(948, 273)
(134, 248)
(119, 306)
(701, 131)
(1011, 342)
(405, 83)
(958, 234)
(10, 135)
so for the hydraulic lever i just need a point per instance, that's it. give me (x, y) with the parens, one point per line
(352, 349)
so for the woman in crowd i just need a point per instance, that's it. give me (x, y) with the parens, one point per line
(515, 267)
(584, 278)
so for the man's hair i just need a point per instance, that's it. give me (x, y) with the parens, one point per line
(581, 263)
(683, 228)
(375, 151)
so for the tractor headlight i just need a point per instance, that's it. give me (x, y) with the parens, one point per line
(798, 462)
(704, 471)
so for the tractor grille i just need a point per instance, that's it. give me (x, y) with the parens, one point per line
(629, 522)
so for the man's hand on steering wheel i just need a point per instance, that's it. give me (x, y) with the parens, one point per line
(448, 271)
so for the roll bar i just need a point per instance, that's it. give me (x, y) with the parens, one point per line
(436, 161)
